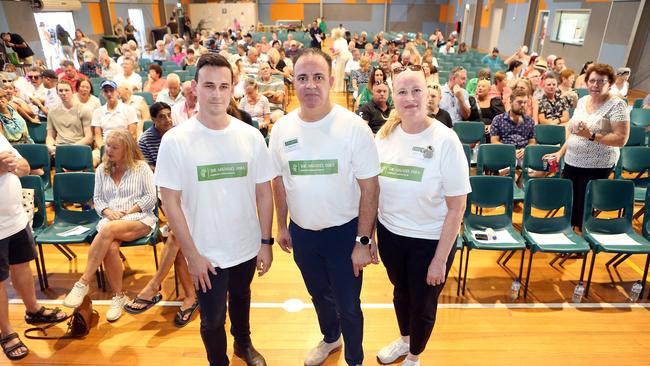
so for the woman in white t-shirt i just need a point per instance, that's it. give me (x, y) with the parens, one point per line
(256, 105)
(125, 198)
(423, 187)
(85, 94)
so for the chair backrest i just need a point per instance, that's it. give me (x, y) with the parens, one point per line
(637, 136)
(38, 132)
(148, 97)
(468, 154)
(640, 117)
(633, 159)
(533, 155)
(548, 194)
(74, 158)
(608, 195)
(75, 187)
(582, 92)
(40, 214)
(489, 192)
(638, 103)
(495, 157)
(470, 132)
(38, 157)
(550, 134)
(146, 125)
(645, 229)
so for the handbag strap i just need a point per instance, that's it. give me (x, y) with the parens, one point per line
(44, 329)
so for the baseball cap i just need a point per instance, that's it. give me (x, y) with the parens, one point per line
(50, 74)
(623, 71)
(109, 83)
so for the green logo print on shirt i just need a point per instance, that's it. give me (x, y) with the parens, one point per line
(314, 167)
(221, 171)
(404, 172)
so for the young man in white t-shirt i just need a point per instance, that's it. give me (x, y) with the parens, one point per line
(17, 249)
(327, 165)
(214, 174)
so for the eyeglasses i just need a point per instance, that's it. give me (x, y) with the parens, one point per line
(6, 81)
(33, 77)
(599, 82)
(381, 82)
(434, 87)
(399, 69)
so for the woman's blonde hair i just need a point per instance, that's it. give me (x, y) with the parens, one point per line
(484, 82)
(393, 121)
(274, 56)
(132, 153)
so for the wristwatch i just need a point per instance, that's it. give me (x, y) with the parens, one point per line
(268, 241)
(364, 240)
(593, 137)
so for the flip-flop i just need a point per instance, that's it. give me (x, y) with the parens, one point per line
(138, 300)
(179, 320)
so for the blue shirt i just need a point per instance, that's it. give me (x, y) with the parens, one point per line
(513, 133)
(149, 144)
(449, 103)
(490, 62)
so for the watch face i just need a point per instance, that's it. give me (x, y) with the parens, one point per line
(364, 240)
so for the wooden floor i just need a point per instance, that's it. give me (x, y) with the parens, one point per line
(481, 328)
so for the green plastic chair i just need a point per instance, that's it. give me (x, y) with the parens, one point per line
(38, 132)
(148, 97)
(637, 136)
(640, 117)
(470, 132)
(638, 103)
(69, 188)
(533, 155)
(38, 157)
(75, 158)
(582, 92)
(39, 221)
(147, 125)
(550, 195)
(612, 195)
(493, 157)
(490, 192)
(550, 134)
(468, 154)
(636, 160)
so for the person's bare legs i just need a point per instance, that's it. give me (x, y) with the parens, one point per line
(113, 267)
(5, 326)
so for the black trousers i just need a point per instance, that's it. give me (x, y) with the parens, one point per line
(234, 282)
(416, 303)
(580, 178)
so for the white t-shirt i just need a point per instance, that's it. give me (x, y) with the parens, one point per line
(320, 163)
(135, 80)
(119, 118)
(12, 214)
(413, 186)
(216, 172)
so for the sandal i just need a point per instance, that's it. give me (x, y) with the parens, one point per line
(180, 320)
(40, 317)
(9, 349)
(148, 304)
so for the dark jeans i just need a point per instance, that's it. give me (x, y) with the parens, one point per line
(580, 178)
(324, 258)
(234, 282)
(416, 303)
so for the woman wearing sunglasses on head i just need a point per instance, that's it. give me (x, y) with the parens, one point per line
(423, 186)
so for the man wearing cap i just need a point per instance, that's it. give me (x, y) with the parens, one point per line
(113, 115)
(492, 60)
(127, 75)
(51, 98)
(621, 86)
(293, 49)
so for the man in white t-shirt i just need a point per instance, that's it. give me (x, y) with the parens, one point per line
(327, 168)
(113, 115)
(17, 249)
(128, 75)
(215, 156)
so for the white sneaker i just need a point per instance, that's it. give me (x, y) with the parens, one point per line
(411, 363)
(319, 354)
(393, 352)
(115, 310)
(76, 296)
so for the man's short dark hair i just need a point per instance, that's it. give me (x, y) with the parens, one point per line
(518, 93)
(556, 60)
(215, 60)
(66, 63)
(314, 52)
(155, 108)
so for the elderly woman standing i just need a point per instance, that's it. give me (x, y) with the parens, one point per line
(599, 127)
(423, 187)
(341, 55)
(125, 197)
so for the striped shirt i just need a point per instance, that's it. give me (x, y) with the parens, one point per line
(149, 143)
(135, 188)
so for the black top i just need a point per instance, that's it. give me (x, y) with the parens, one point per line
(314, 41)
(16, 39)
(375, 117)
(485, 115)
(442, 116)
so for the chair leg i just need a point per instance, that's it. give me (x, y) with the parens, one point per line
(505, 262)
(155, 256)
(639, 213)
(465, 274)
(460, 270)
(40, 254)
(557, 257)
(591, 271)
(614, 259)
(625, 257)
(530, 264)
(67, 249)
(122, 256)
(503, 254)
(176, 283)
(38, 272)
(645, 276)
(584, 264)
(63, 251)
(521, 264)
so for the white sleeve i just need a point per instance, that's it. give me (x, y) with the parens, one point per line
(275, 148)
(455, 172)
(168, 166)
(264, 170)
(131, 115)
(97, 118)
(365, 160)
